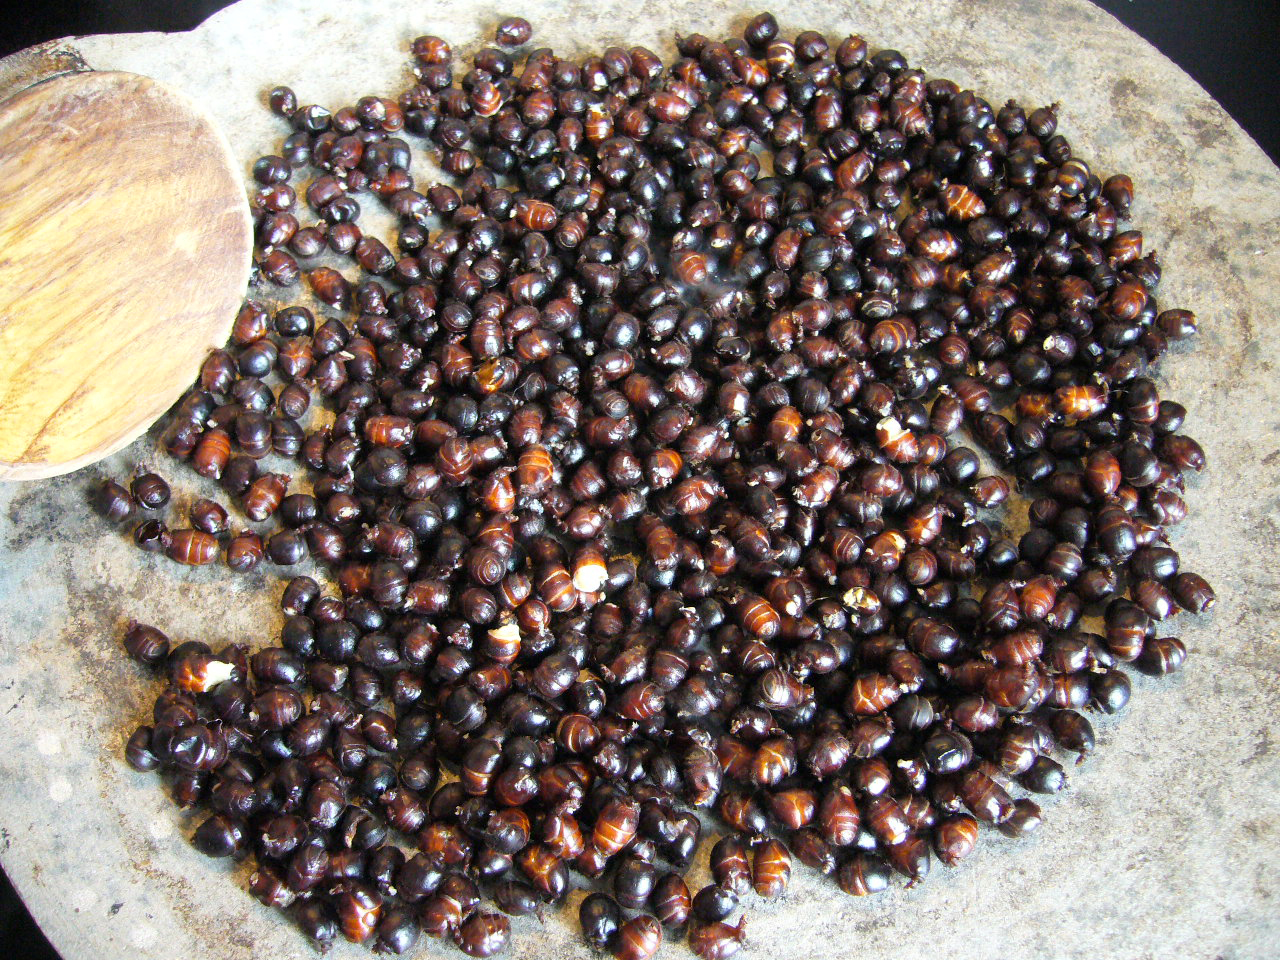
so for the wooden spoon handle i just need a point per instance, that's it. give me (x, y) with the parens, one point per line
(37, 64)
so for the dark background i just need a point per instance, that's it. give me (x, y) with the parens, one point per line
(1226, 45)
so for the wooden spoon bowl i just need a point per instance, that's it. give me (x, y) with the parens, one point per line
(125, 245)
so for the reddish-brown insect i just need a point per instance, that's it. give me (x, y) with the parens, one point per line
(871, 693)
(892, 336)
(640, 701)
(994, 269)
(590, 570)
(871, 776)
(638, 939)
(757, 617)
(544, 870)
(597, 126)
(483, 934)
(212, 453)
(1038, 596)
(838, 816)
(691, 267)
(662, 467)
(695, 495)
(455, 460)
(886, 820)
(1021, 646)
(535, 472)
(536, 215)
(937, 244)
(616, 826)
(741, 812)
(264, 495)
(910, 857)
(496, 492)
(671, 900)
(563, 836)
(862, 875)
(899, 444)
(718, 940)
(785, 426)
(985, 798)
(730, 864)
(1011, 687)
(816, 490)
(495, 374)
(389, 431)
(794, 808)
(359, 907)
(924, 524)
(485, 98)
(556, 588)
(734, 756)
(955, 838)
(771, 869)
(193, 547)
(774, 761)
(1080, 403)
(533, 615)
(295, 358)
(961, 203)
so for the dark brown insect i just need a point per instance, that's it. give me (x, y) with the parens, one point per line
(146, 644)
(1193, 592)
(986, 799)
(483, 934)
(863, 875)
(208, 516)
(150, 491)
(731, 865)
(152, 535)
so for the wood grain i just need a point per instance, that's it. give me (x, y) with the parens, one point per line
(125, 244)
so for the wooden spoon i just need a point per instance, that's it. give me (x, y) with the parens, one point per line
(125, 243)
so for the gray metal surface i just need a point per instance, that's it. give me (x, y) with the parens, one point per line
(1167, 843)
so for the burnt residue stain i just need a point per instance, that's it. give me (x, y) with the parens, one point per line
(35, 513)
(1123, 91)
(1209, 126)
(1261, 749)
(1130, 102)
(91, 638)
